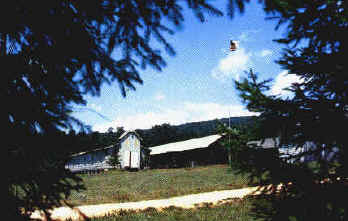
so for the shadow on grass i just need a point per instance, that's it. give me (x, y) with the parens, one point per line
(327, 201)
(39, 181)
(308, 195)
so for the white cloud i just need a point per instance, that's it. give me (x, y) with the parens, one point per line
(183, 113)
(265, 53)
(245, 36)
(232, 65)
(159, 96)
(284, 80)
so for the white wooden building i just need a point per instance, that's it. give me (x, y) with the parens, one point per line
(129, 152)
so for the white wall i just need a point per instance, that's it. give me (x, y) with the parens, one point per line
(98, 159)
(130, 143)
(90, 161)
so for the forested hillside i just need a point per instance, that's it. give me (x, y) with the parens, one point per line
(165, 133)
(159, 134)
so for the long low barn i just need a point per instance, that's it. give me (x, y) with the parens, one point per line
(289, 153)
(91, 160)
(188, 153)
(208, 150)
(130, 155)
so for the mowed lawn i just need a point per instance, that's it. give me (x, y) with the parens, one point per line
(124, 186)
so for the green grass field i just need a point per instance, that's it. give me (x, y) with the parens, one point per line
(239, 210)
(124, 186)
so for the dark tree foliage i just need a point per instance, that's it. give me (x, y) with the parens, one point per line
(316, 51)
(36, 176)
(318, 110)
(110, 130)
(161, 134)
(54, 52)
(235, 139)
(114, 158)
(119, 131)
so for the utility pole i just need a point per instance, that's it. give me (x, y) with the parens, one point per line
(229, 127)
(229, 140)
(233, 47)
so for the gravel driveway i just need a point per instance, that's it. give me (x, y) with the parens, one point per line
(187, 201)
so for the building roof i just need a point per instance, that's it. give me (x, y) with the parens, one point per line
(90, 151)
(185, 145)
(130, 131)
(266, 143)
(104, 148)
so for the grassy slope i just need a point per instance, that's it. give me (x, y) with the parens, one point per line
(123, 186)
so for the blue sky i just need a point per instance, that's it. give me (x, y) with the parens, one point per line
(197, 83)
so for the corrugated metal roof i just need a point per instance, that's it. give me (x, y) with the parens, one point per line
(185, 145)
(90, 151)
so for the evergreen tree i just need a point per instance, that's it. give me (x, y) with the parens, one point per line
(316, 51)
(318, 110)
(234, 140)
(54, 52)
(162, 134)
(119, 132)
(110, 130)
(114, 158)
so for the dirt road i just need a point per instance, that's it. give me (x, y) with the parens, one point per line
(187, 201)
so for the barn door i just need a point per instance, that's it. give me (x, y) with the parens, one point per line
(126, 159)
(135, 160)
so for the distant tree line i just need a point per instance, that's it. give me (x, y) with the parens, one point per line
(73, 142)
(166, 133)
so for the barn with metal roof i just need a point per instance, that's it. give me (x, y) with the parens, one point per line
(188, 153)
